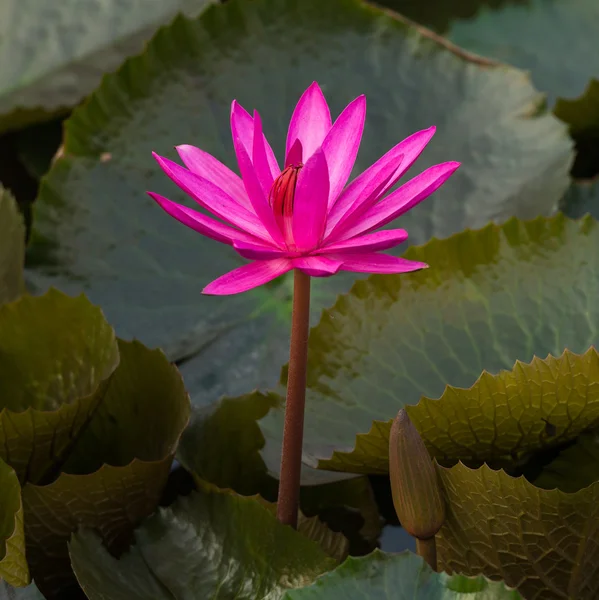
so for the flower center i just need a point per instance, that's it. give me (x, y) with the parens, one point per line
(281, 198)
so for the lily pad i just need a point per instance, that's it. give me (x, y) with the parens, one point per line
(135, 432)
(56, 354)
(12, 248)
(404, 576)
(80, 44)
(530, 34)
(194, 549)
(13, 564)
(502, 419)
(96, 230)
(491, 296)
(543, 542)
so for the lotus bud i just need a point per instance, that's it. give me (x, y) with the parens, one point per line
(414, 481)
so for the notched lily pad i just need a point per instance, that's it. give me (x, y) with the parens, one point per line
(543, 542)
(403, 576)
(135, 432)
(56, 354)
(491, 297)
(194, 549)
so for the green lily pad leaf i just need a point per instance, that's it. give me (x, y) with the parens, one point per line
(222, 446)
(135, 432)
(38, 81)
(12, 248)
(574, 468)
(212, 544)
(403, 576)
(543, 542)
(581, 198)
(502, 419)
(95, 229)
(530, 35)
(8, 592)
(56, 354)
(491, 296)
(13, 564)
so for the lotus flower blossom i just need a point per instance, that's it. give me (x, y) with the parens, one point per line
(304, 216)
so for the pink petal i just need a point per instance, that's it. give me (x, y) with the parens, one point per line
(205, 165)
(371, 242)
(258, 198)
(367, 188)
(248, 277)
(242, 128)
(380, 263)
(202, 223)
(341, 145)
(397, 203)
(310, 202)
(317, 266)
(212, 198)
(255, 251)
(259, 158)
(310, 123)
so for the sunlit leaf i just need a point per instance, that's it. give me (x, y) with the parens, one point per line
(212, 544)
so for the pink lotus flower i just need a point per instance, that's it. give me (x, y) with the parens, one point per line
(303, 217)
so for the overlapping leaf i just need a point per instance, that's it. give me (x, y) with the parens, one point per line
(12, 248)
(530, 34)
(135, 432)
(8, 592)
(13, 564)
(544, 542)
(212, 544)
(404, 576)
(490, 297)
(96, 229)
(56, 354)
(52, 55)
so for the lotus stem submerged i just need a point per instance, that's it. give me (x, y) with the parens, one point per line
(293, 431)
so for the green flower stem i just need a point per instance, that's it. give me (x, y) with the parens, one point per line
(428, 550)
(293, 431)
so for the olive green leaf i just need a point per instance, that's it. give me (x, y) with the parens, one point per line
(581, 198)
(8, 592)
(403, 576)
(13, 564)
(95, 228)
(543, 542)
(554, 40)
(491, 296)
(12, 248)
(116, 473)
(212, 544)
(56, 354)
(81, 43)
